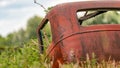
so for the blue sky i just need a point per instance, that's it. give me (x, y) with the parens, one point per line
(15, 13)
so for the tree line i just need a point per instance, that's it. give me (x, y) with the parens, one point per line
(22, 35)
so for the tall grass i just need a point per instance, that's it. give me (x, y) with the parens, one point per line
(28, 56)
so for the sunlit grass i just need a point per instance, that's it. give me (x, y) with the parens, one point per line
(28, 56)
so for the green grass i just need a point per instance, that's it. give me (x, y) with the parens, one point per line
(28, 56)
(20, 57)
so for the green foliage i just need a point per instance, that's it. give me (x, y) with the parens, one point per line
(22, 36)
(48, 9)
(2, 41)
(110, 17)
(32, 26)
(26, 56)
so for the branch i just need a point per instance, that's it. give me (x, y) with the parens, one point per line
(90, 15)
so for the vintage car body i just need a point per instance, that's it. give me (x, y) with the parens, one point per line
(71, 41)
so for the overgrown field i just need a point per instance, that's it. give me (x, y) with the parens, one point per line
(28, 56)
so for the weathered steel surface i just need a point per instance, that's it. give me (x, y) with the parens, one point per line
(71, 41)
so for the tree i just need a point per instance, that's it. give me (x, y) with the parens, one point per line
(2, 41)
(32, 26)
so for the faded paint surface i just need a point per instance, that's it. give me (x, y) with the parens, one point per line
(71, 41)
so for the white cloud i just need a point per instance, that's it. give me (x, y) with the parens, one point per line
(26, 11)
(8, 26)
(4, 3)
(18, 19)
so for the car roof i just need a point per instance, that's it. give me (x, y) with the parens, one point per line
(73, 7)
(86, 5)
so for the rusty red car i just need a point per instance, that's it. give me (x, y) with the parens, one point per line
(71, 41)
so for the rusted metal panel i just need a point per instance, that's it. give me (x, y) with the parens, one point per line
(71, 41)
